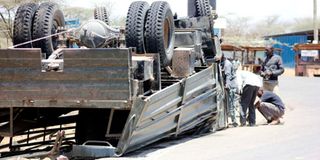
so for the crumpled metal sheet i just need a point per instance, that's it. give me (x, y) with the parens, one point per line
(171, 111)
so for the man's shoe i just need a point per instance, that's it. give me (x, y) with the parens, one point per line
(251, 125)
(275, 122)
(235, 124)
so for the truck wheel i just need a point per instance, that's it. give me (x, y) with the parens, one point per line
(160, 31)
(47, 20)
(203, 8)
(135, 25)
(22, 27)
(101, 14)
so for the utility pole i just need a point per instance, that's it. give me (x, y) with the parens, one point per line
(315, 23)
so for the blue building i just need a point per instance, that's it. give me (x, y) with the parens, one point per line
(286, 43)
(72, 23)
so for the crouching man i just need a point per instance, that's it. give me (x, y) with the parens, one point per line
(270, 106)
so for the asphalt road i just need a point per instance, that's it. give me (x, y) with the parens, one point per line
(297, 139)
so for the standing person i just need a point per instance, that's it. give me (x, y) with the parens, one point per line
(236, 64)
(249, 84)
(231, 87)
(270, 106)
(272, 67)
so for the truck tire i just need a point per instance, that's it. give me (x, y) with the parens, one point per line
(100, 13)
(160, 31)
(136, 18)
(22, 27)
(46, 22)
(203, 8)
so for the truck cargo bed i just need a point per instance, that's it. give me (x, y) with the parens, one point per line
(100, 85)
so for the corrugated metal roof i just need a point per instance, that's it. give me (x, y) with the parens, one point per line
(307, 32)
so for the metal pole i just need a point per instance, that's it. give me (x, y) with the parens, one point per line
(315, 23)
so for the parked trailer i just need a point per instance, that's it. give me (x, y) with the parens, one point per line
(91, 103)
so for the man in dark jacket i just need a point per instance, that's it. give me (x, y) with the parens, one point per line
(272, 67)
(270, 106)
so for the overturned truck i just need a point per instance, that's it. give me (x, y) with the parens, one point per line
(98, 102)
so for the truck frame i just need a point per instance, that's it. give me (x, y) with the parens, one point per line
(110, 101)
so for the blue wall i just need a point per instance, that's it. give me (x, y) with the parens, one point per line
(217, 32)
(286, 43)
(72, 23)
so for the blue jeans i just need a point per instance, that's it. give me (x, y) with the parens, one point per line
(231, 101)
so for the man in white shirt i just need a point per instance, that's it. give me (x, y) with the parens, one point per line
(248, 84)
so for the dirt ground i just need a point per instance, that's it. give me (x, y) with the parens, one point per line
(289, 72)
(296, 139)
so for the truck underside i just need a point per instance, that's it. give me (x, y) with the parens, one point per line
(95, 97)
(98, 102)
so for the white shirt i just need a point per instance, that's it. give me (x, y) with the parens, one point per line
(248, 78)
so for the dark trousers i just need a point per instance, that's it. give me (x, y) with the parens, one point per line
(248, 96)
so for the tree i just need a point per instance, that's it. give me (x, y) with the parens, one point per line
(237, 26)
(269, 26)
(7, 9)
(302, 24)
(84, 14)
(238, 30)
(245, 31)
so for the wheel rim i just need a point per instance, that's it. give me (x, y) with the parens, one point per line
(54, 39)
(167, 33)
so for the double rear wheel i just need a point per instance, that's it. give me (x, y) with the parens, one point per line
(34, 22)
(151, 29)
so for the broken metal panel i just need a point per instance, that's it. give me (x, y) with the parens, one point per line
(201, 108)
(200, 96)
(90, 78)
(169, 112)
(201, 80)
(132, 120)
(161, 102)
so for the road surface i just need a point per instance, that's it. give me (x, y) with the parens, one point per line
(297, 139)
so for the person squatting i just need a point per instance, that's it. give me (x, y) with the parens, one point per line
(249, 85)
